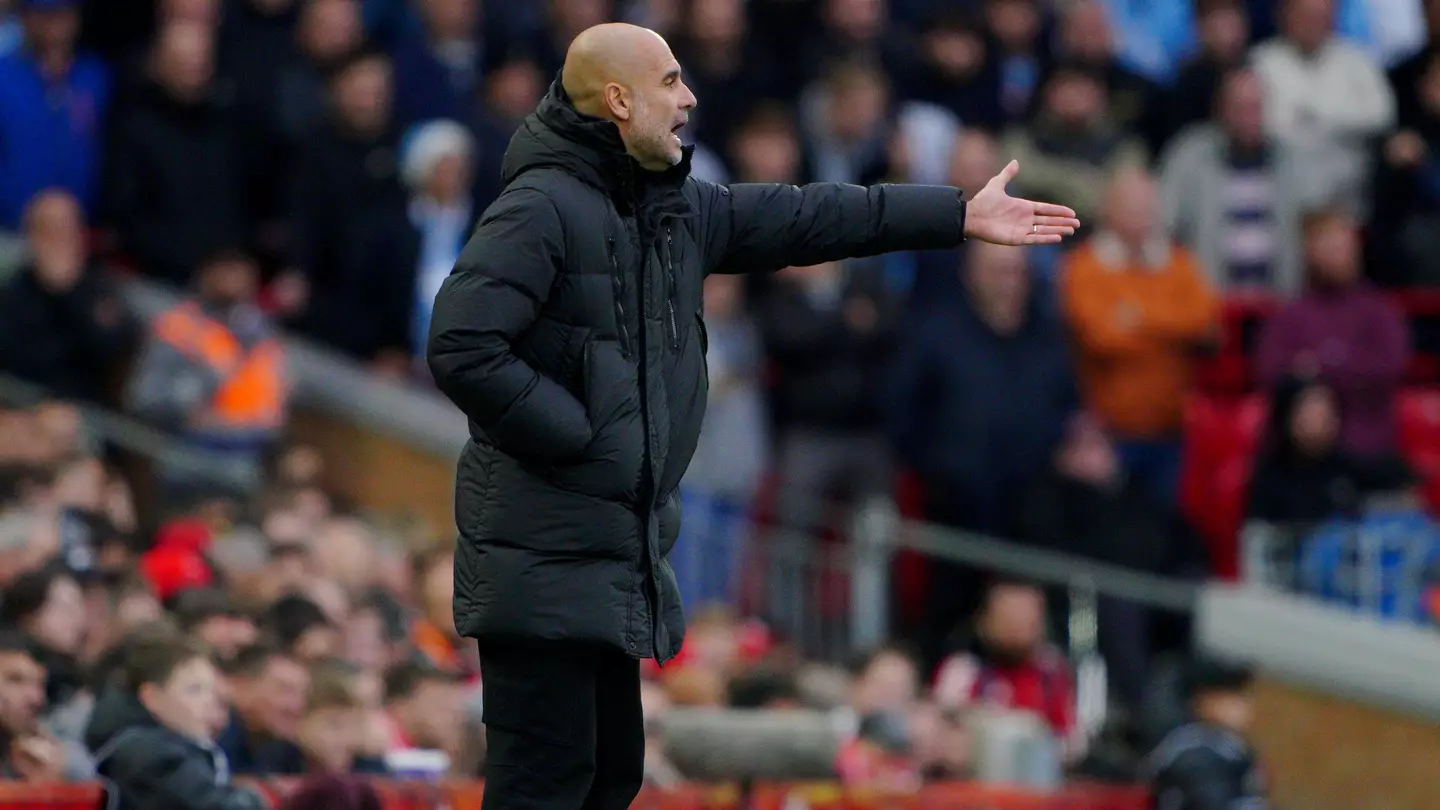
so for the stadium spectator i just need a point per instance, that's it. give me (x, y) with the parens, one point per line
(436, 165)
(1087, 38)
(511, 91)
(327, 31)
(1344, 332)
(61, 324)
(268, 690)
(887, 681)
(1006, 663)
(846, 124)
(347, 551)
(955, 69)
(353, 249)
(879, 757)
(116, 606)
(288, 567)
(1139, 309)
(213, 369)
(433, 632)
(719, 488)
(376, 635)
(974, 158)
(53, 107)
(1404, 234)
(426, 708)
(212, 617)
(765, 147)
(829, 331)
(175, 188)
(974, 454)
(942, 743)
(850, 30)
(1406, 77)
(152, 736)
(1152, 39)
(1302, 475)
(48, 604)
(1087, 505)
(301, 628)
(1234, 195)
(331, 730)
(1224, 32)
(253, 33)
(1209, 762)
(1072, 145)
(724, 62)
(27, 752)
(1326, 96)
(1018, 29)
(437, 65)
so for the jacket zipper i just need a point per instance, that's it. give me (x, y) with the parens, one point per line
(670, 287)
(617, 283)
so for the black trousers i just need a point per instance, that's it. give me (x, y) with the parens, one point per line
(563, 727)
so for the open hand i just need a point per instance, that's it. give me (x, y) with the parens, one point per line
(994, 216)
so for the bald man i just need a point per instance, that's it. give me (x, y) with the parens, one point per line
(570, 334)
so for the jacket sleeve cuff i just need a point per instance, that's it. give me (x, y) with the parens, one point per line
(964, 206)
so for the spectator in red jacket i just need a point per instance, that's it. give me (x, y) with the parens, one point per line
(1008, 664)
(1344, 332)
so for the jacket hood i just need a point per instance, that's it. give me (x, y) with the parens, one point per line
(115, 711)
(558, 135)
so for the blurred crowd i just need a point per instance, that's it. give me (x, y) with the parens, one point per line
(315, 166)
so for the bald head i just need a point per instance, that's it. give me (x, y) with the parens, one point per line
(1130, 204)
(627, 74)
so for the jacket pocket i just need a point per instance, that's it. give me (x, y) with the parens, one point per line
(612, 463)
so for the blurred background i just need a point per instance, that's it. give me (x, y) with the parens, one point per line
(967, 529)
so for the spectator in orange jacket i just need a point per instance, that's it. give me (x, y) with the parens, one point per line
(1139, 308)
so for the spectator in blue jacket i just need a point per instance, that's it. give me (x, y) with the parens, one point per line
(437, 66)
(982, 390)
(52, 106)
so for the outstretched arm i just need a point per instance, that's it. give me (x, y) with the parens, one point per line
(769, 226)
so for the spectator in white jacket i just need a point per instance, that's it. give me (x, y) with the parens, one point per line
(1324, 94)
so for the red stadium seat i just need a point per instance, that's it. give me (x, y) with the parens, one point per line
(1417, 411)
(1221, 436)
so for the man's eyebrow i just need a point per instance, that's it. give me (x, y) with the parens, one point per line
(672, 74)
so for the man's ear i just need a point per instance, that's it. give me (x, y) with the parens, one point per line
(617, 99)
(148, 693)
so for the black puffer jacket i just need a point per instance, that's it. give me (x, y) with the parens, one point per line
(149, 767)
(570, 335)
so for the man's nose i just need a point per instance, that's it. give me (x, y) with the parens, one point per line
(689, 102)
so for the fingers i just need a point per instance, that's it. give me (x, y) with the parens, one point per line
(1043, 239)
(1057, 222)
(1008, 173)
(1054, 230)
(1044, 209)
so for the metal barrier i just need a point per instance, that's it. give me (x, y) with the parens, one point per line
(832, 595)
(819, 796)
